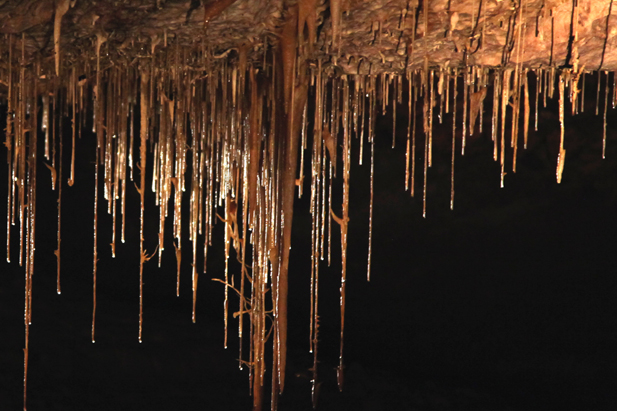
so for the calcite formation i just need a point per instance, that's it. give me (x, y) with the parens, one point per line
(224, 99)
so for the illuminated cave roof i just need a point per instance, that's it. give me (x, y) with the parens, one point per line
(375, 36)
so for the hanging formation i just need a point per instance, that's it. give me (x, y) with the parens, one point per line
(236, 130)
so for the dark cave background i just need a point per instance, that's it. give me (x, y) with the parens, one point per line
(505, 303)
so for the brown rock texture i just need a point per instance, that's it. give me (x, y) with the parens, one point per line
(374, 36)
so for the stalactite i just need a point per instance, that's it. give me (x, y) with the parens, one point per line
(336, 10)
(561, 158)
(538, 87)
(454, 95)
(604, 116)
(583, 94)
(62, 7)
(526, 115)
(60, 151)
(466, 87)
(394, 116)
(409, 121)
(475, 105)
(232, 129)
(343, 222)
(296, 97)
(413, 139)
(370, 218)
(9, 156)
(505, 98)
(95, 247)
(20, 154)
(427, 141)
(142, 187)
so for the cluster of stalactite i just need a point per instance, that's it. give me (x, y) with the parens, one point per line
(236, 132)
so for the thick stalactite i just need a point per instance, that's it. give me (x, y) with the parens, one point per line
(231, 103)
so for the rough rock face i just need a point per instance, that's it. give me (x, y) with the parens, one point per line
(373, 36)
(483, 33)
(134, 30)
